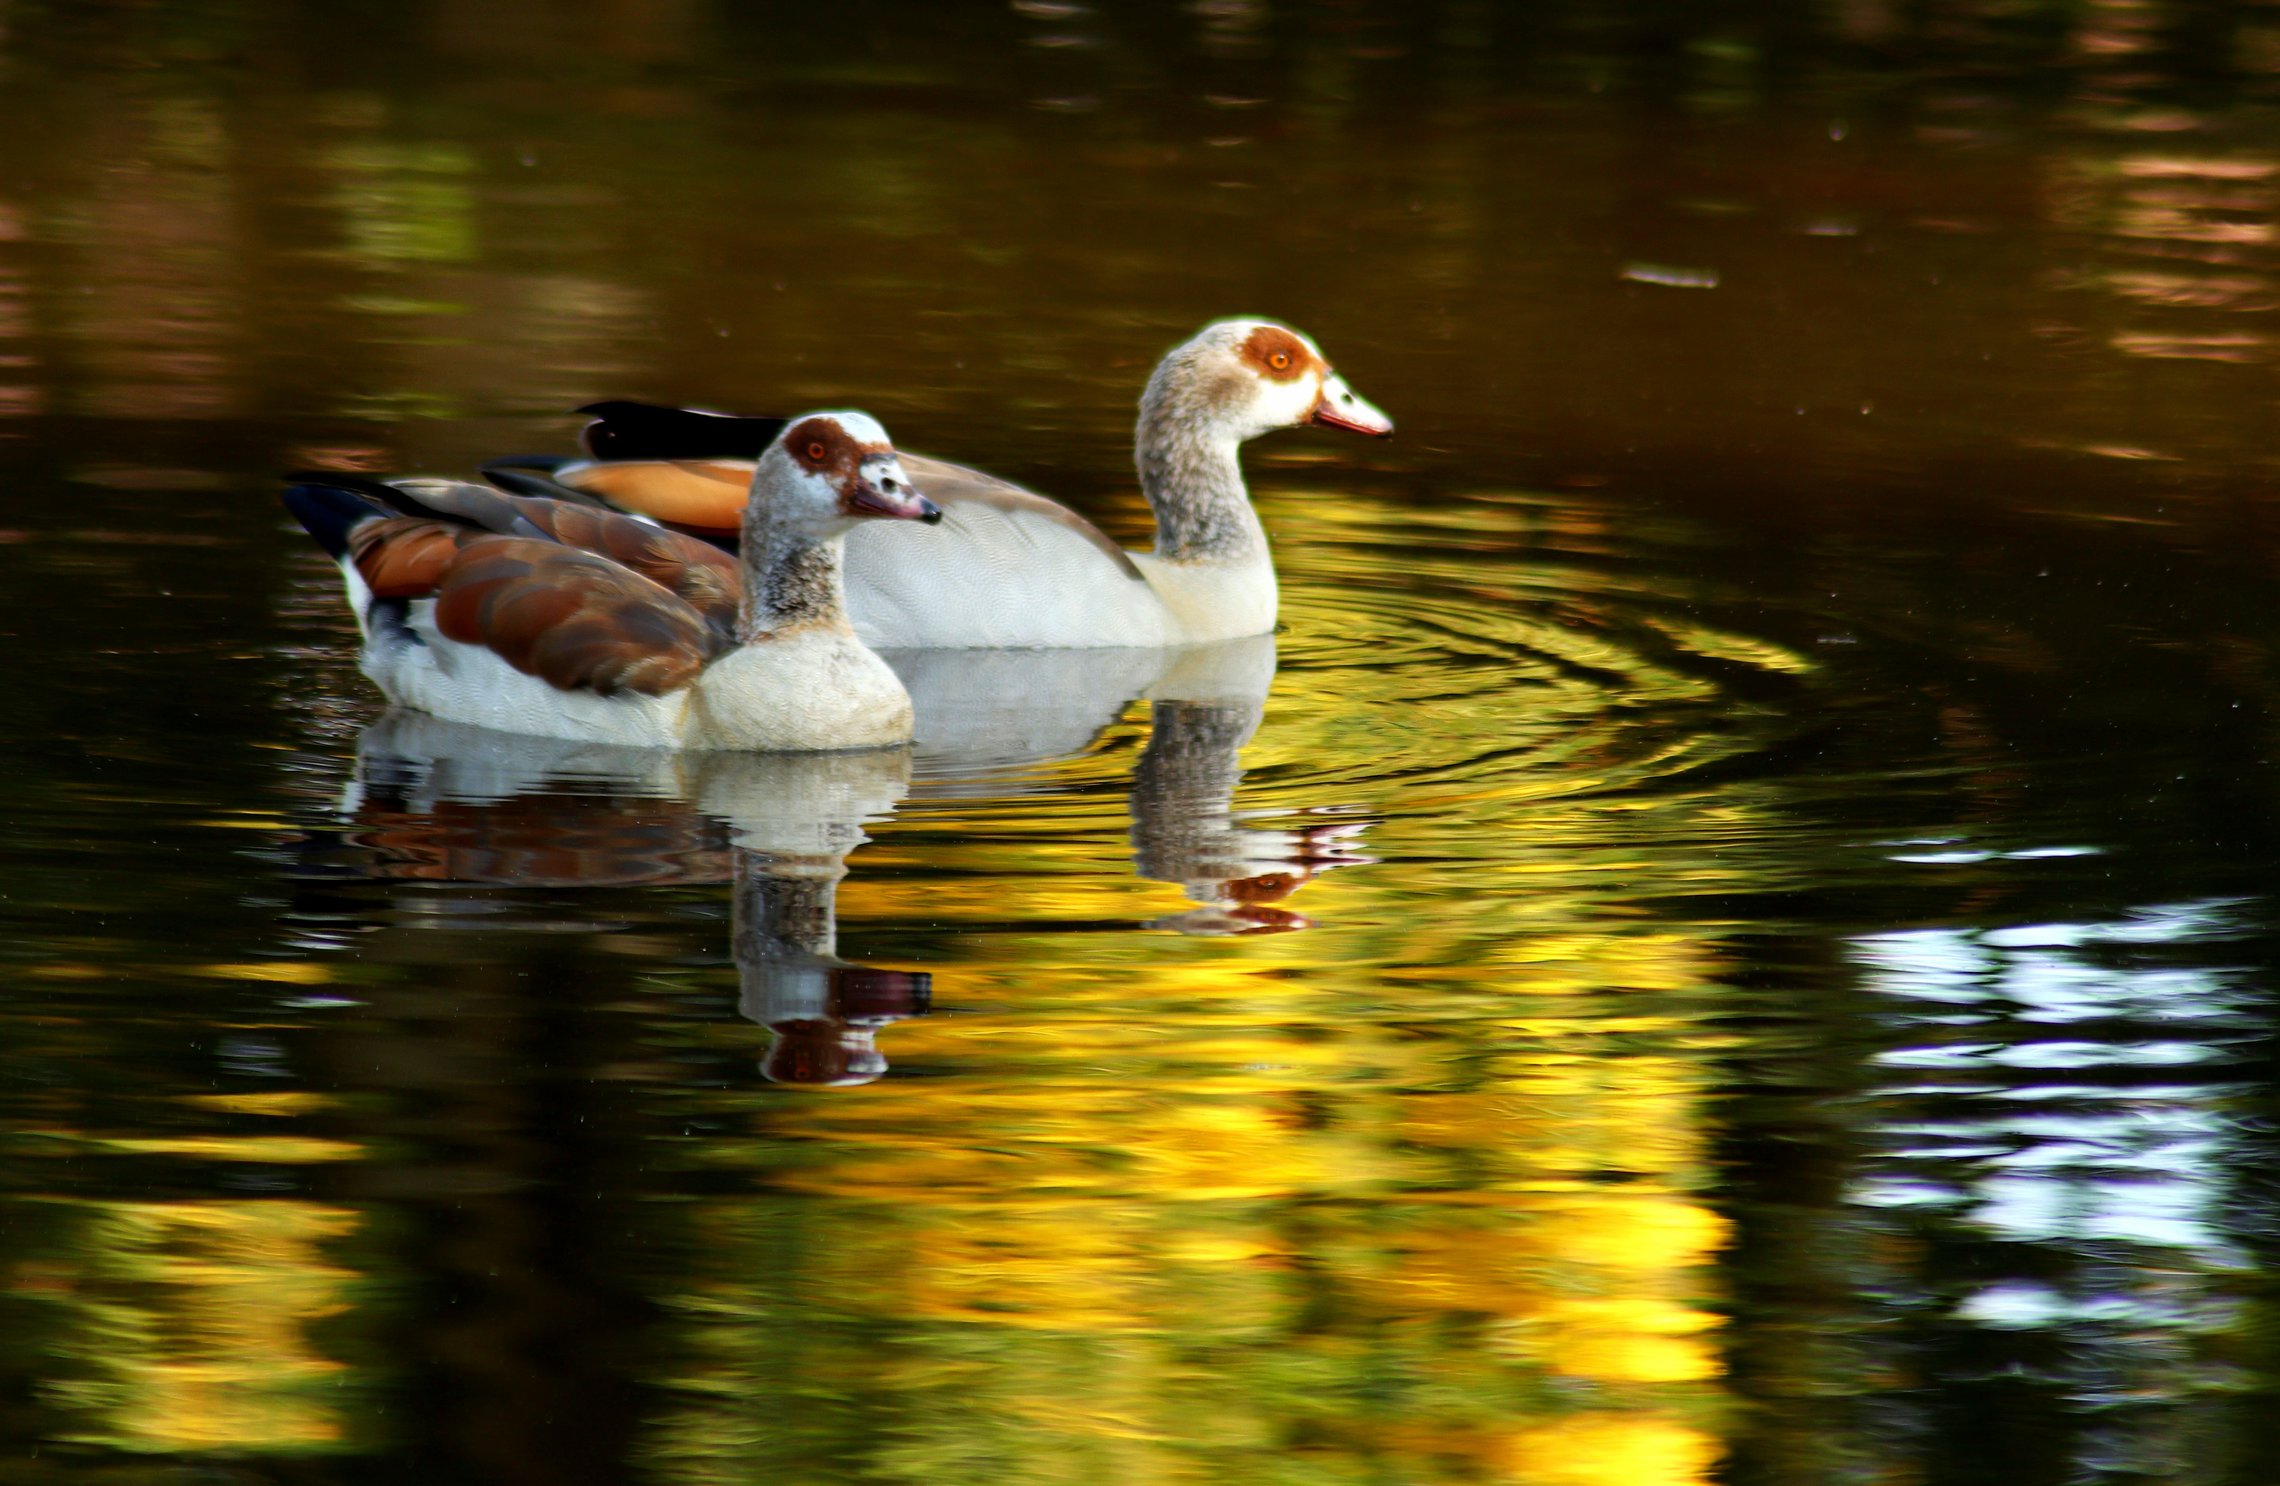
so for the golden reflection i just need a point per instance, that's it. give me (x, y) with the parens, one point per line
(1239, 1206)
(1597, 1448)
(285, 1103)
(1250, 1219)
(1469, 1240)
(292, 1150)
(189, 1326)
(2190, 240)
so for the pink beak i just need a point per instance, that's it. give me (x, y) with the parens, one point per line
(1340, 406)
(882, 489)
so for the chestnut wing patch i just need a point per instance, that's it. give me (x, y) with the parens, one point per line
(403, 557)
(573, 619)
(708, 579)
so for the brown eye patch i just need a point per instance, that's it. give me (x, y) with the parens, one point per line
(821, 445)
(1278, 355)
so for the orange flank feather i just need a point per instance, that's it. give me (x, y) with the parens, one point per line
(697, 494)
(573, 619)
(707, 497)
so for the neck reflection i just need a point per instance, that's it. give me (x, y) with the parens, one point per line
(983, 716)
(823, 1014)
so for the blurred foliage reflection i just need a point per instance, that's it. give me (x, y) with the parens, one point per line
(1728, 937)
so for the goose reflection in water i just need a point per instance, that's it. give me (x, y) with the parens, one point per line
(984, 713)
(822, 1013)
(442, 801)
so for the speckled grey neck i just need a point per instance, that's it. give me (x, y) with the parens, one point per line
(1189, 471)
(791, 579)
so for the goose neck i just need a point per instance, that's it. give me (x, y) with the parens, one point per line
(1193, 480)
(791, 580)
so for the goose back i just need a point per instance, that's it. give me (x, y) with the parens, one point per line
(1009, 570)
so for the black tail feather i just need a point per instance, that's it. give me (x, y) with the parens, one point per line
(330, 507)
(371, 487)
(544, 464)
(641, 430)
(535, 476)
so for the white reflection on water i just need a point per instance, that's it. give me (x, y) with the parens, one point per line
(1976, 1130)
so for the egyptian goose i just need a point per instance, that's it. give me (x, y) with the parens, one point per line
(1013, 569)
(539, 616)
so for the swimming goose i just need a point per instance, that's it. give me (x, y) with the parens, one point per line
(1010, 568)
(538, 616)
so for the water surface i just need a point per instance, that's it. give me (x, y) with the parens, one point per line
(1729, 936)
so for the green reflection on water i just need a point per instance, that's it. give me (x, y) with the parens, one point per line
(406, 203)
(187, 1328)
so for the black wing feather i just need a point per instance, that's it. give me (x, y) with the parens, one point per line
(534, 475)
(643, 430)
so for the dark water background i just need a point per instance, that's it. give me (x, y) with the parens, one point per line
(1740, 947)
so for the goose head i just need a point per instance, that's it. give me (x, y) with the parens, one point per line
(827, 471)
(1242, 378)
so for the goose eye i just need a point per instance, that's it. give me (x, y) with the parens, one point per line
(815, 452)
(1280, 361)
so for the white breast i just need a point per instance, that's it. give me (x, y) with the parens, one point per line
(1206, 602)
(817, 688)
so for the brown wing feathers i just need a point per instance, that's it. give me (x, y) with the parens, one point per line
(697, 571)
(582, 598)
(403, 557)
(571, 618)
(705, 576)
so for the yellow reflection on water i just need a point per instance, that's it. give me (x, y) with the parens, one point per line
(1165, 1246)
(1420, 1193)
(186, 1326)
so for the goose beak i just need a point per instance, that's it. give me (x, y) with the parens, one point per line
(883, 490)
(1340, 406)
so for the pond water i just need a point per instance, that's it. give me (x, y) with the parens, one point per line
(1730, 935)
